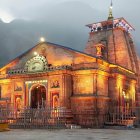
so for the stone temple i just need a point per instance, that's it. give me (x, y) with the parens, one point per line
(102, 78)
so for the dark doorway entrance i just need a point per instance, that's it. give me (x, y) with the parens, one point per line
(38, 96)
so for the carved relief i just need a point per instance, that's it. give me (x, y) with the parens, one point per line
(37, 63)
(18, 86)
(55, 83)
(43, 50)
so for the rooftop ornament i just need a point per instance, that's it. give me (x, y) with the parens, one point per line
(110, 16)
(111, 23)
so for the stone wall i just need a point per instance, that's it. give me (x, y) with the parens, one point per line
(89, 111)
(117, 47)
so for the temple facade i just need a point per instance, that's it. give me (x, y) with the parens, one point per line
(104, 77)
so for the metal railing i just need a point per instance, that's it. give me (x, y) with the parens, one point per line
(35, 118)
(51, 118)
(123, 116)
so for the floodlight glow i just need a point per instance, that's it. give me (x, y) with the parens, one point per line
(42, 39)
(35, 53)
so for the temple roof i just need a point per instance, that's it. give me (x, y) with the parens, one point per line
(47, 43)
(60, 46)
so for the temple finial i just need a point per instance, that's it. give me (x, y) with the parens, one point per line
(110, 16)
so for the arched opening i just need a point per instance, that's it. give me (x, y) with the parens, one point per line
(38, 96)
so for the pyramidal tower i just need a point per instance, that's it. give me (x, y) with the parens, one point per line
(111, 40)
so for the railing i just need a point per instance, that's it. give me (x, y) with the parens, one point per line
(123, 116)
(87, 118)
(35, 118)
(99, 117)
(120, 119)
(47, 69)
(85, 66)
(51, 118)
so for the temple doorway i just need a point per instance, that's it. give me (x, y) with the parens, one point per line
(38, 96)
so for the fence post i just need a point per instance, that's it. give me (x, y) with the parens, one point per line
(24, 110)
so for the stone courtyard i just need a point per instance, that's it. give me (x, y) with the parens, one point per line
(71, 134)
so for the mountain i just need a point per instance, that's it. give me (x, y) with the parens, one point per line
(63, 24)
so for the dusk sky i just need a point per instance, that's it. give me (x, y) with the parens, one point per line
(59, 21)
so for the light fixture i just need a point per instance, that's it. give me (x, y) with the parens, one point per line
(40, 81)
(124, 94)
(35, 53)
(42, 39)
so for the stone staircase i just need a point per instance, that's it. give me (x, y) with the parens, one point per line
(70, 123)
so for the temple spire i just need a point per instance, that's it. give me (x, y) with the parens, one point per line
(110, 16)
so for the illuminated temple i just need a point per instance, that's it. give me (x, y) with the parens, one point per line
(104, 77)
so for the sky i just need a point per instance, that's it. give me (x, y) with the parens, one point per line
(63, 22)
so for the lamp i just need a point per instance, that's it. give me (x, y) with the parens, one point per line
(42, 39)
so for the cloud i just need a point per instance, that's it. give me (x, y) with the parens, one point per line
(59, 21)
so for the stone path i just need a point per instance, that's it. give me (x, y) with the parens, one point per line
(71, 134)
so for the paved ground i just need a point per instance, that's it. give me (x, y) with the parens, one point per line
(71, 134)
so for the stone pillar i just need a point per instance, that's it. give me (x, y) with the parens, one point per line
(66, 90)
